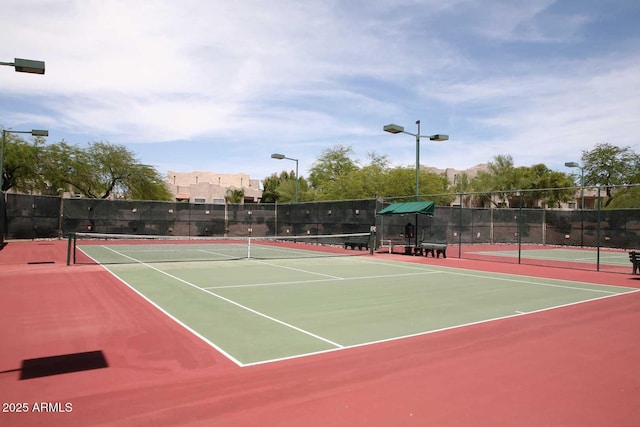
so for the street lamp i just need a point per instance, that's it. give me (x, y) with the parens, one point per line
(399, 129)
(26, 66)
(34, 132)
(278, 156)
(577, 165)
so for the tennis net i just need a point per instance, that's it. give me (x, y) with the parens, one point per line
(92, 248)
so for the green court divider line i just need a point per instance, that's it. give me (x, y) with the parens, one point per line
(266, 316)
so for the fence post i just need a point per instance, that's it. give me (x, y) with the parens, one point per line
(598, 233)
(460, 228)
(519, 228)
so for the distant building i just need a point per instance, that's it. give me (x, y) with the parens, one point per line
(452, 174)
(209, 187)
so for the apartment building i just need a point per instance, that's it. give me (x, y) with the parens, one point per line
(210, 187)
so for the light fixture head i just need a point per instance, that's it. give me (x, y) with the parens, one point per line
(277, 156)
(439, 137)
(39, 132)
(572, 164)
(393, 128)
(29, 66)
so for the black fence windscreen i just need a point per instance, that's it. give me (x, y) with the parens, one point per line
(495, 231)
(3, 218)
(32, 217)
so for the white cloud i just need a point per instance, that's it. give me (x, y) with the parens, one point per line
(242, 79)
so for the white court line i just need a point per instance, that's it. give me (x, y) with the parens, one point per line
(446, 328)
(299, 269)
(509, 278)
(230, 257)
(302, 282)
(172, 317)
(450, 270)
(266, 316)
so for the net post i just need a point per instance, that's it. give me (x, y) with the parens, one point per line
(249, 248)
(372, 239)
(75, 244)
(69, 243)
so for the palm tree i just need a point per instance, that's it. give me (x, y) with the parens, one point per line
(234, 195)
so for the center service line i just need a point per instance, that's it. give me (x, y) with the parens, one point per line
(273, 319)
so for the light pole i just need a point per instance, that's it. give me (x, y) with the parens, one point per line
(34, 132)
(399, 129)
(282, 156)
(26, 66)
(577, 165)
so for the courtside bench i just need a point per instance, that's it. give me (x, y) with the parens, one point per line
(634, 257)
(357, 242)
(435, 249)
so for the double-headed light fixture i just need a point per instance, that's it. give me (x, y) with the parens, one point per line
(399, 129)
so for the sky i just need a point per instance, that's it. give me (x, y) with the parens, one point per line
(211, 85)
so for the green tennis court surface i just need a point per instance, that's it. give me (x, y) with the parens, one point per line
(588, 256)
(257, 311)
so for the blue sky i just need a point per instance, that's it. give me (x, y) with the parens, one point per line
(220, 85)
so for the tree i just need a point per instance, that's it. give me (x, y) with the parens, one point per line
(282, 188)
(234, 195)
(500, 178)
(331, 166)
(99, 171)
(537, 183)
(19, 167)
(270, 188)
(608, 166)
(626, 198)
(547, 186)
(103, 170)
(357, 182)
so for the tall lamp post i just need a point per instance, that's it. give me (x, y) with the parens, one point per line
(438, 137)
(278, 156)
(34, 132)
(577, 165)
(26, 66)
(399, 129)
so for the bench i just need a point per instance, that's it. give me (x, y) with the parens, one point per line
(435, 249)
(634, 257)
(357, 241)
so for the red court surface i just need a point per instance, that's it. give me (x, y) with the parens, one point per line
(575, 366)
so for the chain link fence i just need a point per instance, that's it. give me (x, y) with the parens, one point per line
(3, 218)
(470, 222)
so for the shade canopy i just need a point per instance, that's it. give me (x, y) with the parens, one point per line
(424, 208)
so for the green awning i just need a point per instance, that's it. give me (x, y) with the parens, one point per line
(424, 208)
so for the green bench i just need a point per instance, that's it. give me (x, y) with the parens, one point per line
(435, 249)
(357, 242)
(634, 257)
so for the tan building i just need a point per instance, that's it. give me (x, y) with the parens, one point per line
(452, 174)
(209, 187)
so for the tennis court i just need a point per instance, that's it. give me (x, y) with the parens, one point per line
(285, 302)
